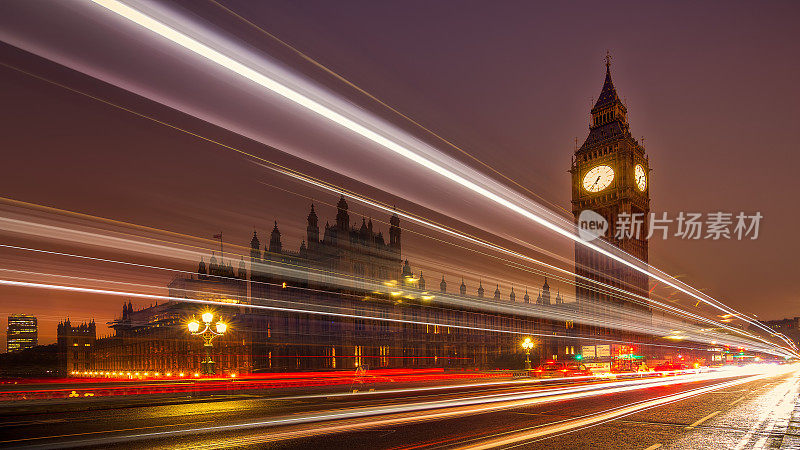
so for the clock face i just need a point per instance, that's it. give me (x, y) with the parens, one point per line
(598, 178)
(640, 177)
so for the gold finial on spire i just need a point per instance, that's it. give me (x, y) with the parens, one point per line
(608, 60)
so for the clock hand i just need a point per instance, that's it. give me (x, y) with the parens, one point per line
(595, 181)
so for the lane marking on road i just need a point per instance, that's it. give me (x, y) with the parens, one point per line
(736, 391)
(653, 447)
(760, 443)
(87, 433)
(698, 422)
(738, 400)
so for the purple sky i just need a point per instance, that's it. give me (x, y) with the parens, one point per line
(712, 88)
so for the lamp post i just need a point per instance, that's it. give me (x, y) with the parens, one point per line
(208, 335)
(527, 344)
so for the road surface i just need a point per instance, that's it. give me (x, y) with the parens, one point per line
(732, 410)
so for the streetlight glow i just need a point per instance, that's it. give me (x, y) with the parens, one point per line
(208, 334)
(221, 327)
(527, 344)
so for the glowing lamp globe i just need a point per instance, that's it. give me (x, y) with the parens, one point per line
(527, 344)
(194, 326)
(221, 327)
(207, 317)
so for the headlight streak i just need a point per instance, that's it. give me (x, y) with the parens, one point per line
(391, 415)
(297, 309)
(291, 306)
(94, 239)
(460, 178)
(258, 307)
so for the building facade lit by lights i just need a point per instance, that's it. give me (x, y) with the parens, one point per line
(75, 345)
(788, 327)
(369, 309)
(22, 332)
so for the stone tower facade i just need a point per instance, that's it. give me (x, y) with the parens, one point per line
(610, 176)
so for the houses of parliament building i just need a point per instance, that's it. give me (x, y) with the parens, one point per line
(264, 300)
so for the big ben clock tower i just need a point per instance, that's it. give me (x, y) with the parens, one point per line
(610, 175)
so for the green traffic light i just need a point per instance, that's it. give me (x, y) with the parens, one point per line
(578, 356)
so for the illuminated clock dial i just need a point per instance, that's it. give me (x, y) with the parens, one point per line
(640, 177)
(598, 178)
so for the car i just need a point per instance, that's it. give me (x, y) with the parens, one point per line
(671, 367)
(561, 369)
(627, 369)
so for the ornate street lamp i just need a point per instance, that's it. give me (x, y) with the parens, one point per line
(527, 344)
(208, 335)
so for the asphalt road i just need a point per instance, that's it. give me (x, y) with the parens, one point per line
(731, 411)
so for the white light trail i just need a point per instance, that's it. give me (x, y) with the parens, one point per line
(138, 295)
(624, 322)
(299, 307)
(318, 108)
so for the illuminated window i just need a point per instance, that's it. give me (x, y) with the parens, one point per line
(357, 354)
(384, 353)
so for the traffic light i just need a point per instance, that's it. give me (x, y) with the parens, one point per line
(579, 357)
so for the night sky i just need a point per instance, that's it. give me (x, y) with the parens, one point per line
(711, 87)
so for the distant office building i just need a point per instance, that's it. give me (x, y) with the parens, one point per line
(784, 325)
(788, 327)
(22, 332)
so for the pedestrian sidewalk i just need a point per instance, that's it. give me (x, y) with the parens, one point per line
(791, 436)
